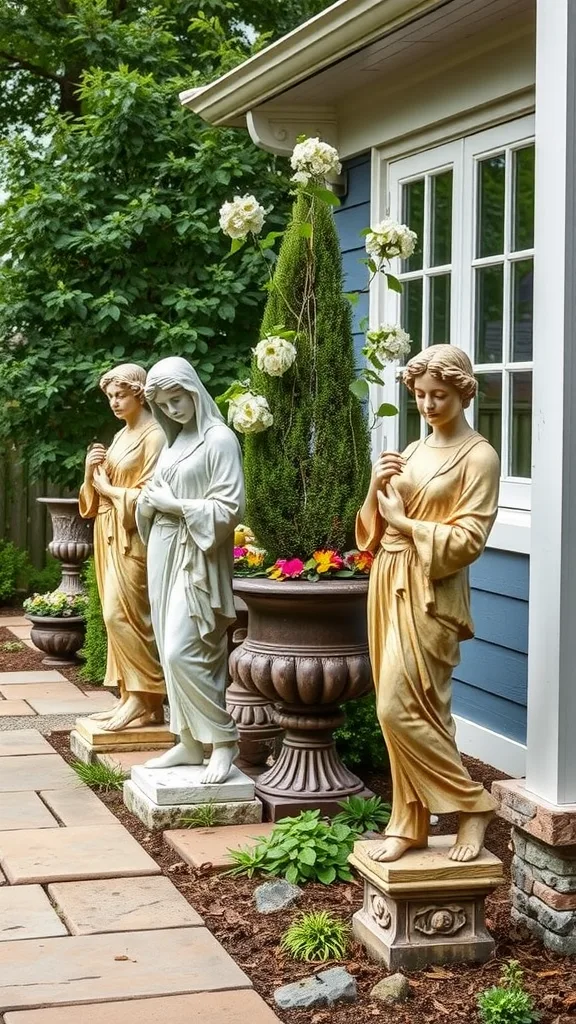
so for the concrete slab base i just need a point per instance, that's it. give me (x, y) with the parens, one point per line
(424, 908)
(156, 816)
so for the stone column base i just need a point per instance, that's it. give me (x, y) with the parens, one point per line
(424, 908)
(544, 864)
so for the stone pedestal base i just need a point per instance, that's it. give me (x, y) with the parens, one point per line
(424, 908)
(88, 739)
(168, 816)
(543, 866)
(163, 797)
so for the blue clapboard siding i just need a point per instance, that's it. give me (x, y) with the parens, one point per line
(352, 216)
(490, 682)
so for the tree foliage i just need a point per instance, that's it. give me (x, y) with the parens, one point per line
(110, 246)
(306, 476)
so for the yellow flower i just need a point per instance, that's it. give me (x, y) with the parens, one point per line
(327, 560)
(254, 558)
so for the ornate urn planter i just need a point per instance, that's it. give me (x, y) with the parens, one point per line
(71, 540)
(259, 736)
(306, 652)
(60, 638)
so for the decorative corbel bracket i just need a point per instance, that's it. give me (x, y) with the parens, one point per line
(276, 129)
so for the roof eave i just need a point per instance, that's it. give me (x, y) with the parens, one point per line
(337, 32)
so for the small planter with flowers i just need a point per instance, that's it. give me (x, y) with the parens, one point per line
(58, 626)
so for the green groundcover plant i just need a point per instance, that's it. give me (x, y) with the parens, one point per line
(104, 778)
(363, 814)
(317, 935)
(302, 849)
(508, 1002)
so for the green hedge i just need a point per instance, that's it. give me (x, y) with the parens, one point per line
(95, 649)
(359, 741)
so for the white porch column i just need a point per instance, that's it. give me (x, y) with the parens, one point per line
(551, 754)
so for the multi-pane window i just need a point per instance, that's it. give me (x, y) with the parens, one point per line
(470, 280)
(426, 276)
(502, 296)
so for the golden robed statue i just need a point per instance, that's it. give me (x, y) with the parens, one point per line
(427, 516)
(112, 483)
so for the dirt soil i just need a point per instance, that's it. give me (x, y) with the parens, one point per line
(27, 659)
(252, 939)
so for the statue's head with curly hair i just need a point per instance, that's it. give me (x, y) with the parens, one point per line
(447, 364)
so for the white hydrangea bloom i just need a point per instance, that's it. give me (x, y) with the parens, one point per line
(301, 178)
(388, 343)
(274, 355)
(389, 239)
(242, 216)
(249, 413)
(314, 158)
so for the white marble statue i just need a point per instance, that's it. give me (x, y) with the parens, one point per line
(186, 516)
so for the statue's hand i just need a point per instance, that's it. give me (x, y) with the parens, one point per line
(387, 465)
(94, 458)
(101, 480)
(160, 497)
(391, 507)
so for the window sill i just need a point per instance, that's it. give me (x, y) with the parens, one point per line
(511, 531)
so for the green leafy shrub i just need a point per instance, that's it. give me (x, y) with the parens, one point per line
(317, 935)
(363, 814)
(507, 1003)
(359, 741)
(101, 777)
(95, 649)
(302, 849)
(14, 570)
(40, 581)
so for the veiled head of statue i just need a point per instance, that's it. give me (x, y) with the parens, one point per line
(178, 398)
(445, 363)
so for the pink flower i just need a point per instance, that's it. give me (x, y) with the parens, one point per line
(286, 569)
(240, 552)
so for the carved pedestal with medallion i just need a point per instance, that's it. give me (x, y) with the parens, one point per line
(424, 908)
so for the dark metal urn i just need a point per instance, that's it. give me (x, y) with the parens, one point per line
(306, 652)
(259, 737)
(59, 638)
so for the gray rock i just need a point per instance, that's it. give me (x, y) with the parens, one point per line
(277, 895)
(545, 857)
(394, 989)
(561, 922)
(323, 989)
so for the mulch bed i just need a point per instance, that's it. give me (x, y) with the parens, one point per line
(252, 939)
(26, 659)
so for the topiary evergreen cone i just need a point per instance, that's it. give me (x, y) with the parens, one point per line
(307, 475)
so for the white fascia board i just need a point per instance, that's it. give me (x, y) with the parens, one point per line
(333, 34)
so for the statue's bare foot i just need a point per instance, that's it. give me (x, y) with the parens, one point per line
(190, 752)
(470, 838)
(220, 763)
(392, 848)
(134, 709)
(105, 716)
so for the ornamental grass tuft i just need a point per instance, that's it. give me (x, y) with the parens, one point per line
(317, 935)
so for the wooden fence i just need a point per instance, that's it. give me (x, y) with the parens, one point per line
(22, 519)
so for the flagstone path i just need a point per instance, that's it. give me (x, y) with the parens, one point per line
(86, 916)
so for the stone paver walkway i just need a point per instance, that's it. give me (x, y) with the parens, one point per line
(87, 918)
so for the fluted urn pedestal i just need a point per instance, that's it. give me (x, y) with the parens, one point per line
(71, 541)
(306, 652)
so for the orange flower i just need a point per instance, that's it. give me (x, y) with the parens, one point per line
(327, 560)
(255, 558)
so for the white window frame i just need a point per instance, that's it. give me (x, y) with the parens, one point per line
(463, 156)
